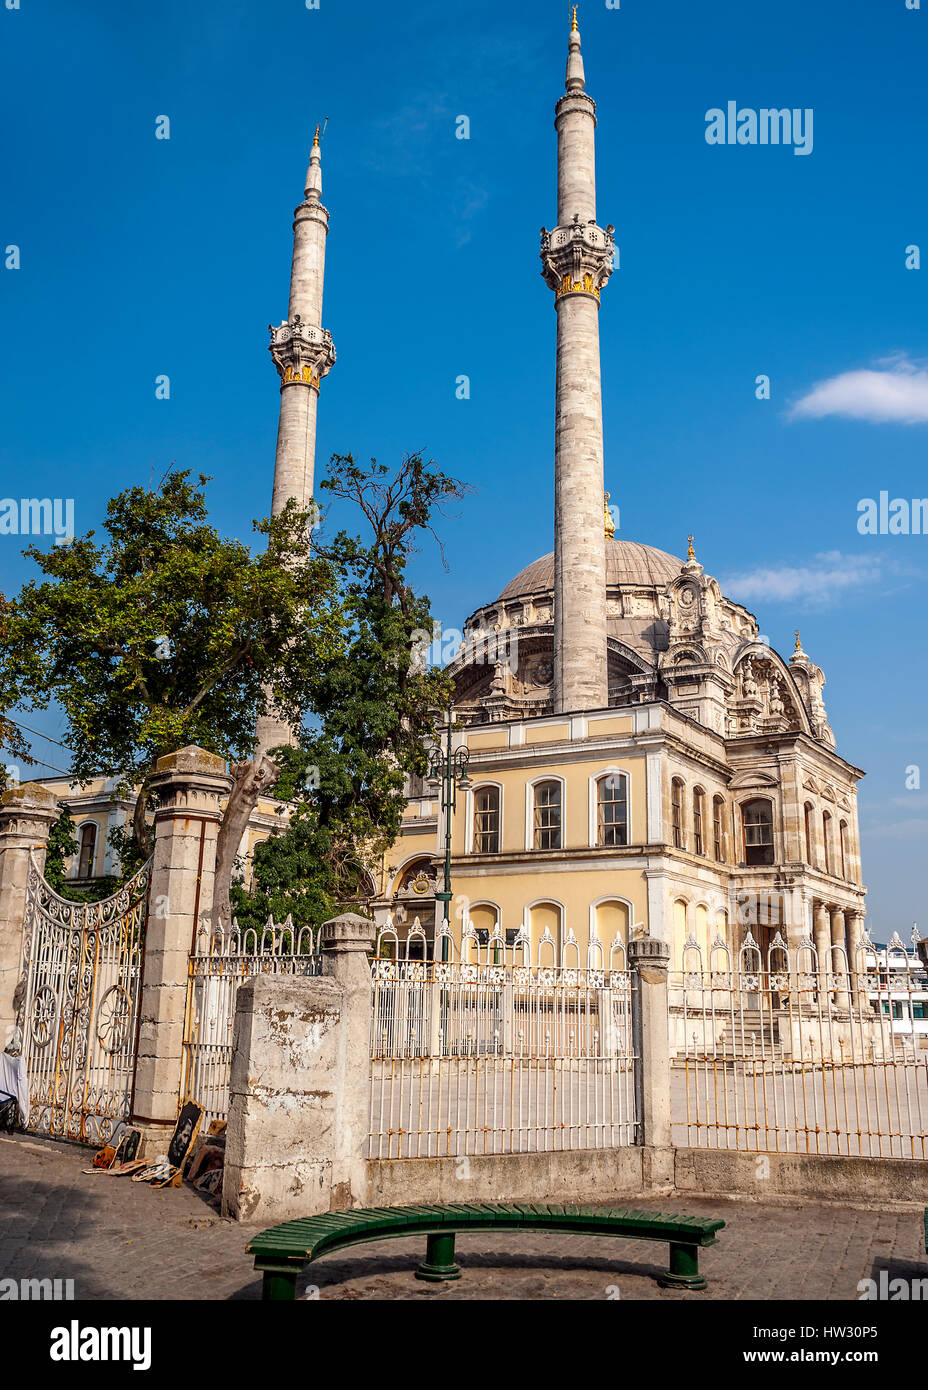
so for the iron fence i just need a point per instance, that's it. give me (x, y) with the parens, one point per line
(492, 1053)
(788, 1052)
(220, 962)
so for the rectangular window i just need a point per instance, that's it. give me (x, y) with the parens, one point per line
(547, 816)
(612, 812)
(717, 831)
(486, 820)
(698, 843)
(676, 798)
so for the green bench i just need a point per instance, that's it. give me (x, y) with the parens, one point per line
(282, 1251)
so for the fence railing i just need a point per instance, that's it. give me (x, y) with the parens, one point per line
(222, 960)
(494, 1054)
(784, 1051)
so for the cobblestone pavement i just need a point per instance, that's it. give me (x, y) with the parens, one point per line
(119, 1239)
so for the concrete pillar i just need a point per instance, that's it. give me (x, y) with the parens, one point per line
(839, 965)
(821, 933)
(27, 814)
(299, 1117)
(649, 961)
(189, 785)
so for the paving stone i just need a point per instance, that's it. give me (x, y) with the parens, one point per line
(118, 1239)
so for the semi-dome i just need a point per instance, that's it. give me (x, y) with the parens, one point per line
(627, 562)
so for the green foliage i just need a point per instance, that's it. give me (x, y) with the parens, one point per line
(373, 709)
(62, 845)
(165, 633)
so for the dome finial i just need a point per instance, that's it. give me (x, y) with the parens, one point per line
(608, 518)
(798, 646)
(691, 553)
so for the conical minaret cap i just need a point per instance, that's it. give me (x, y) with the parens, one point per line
(313, 189)
(576, 79)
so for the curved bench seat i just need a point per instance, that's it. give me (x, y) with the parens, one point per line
(282, 1251)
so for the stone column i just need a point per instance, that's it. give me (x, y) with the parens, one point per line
(303, 353)
(189, 785)
(299, 1117)
(649, 961)
(821, 934)
(854, 921)
(577, 261)
(27, 814)
(838, 938)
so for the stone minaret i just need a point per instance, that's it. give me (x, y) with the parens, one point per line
(303, 353)
(577, 260)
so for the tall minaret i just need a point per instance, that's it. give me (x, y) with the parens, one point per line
(577, 260)
(303, 353)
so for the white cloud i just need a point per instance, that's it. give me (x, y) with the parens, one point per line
(823, 581)
(895, 391)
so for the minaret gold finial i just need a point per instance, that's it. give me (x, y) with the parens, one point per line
(691, 553)
(608, 518)
(316, 136)
(574, 26)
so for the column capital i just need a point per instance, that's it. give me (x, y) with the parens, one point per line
(349, 932)
(28, 811)
(189, 782)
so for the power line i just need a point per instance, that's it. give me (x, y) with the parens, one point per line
(25, 728)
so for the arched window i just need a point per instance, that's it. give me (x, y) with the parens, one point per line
(826, 838)
(486, 820)
(417, 878)
(546, 832)
(757, 819)
(676, 812)
(718, 828)
(842, 842)
(87, 845)
(807, 813)
(699, 838)
(612, 810)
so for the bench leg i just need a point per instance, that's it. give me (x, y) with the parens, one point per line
(684, 1269)
(279, 1285)
(438, 1264)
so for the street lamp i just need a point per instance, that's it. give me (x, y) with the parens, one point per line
(448, 770)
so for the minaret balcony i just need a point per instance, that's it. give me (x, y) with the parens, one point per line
(302, 352)
(577, 258)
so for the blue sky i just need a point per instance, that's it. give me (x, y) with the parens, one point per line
(141, 257)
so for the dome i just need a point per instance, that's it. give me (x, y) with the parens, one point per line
(627, 562)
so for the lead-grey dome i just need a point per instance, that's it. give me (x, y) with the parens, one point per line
(627, 562)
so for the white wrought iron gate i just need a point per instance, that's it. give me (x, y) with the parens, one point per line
(80, 983)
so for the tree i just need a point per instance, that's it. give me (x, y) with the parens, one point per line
(62, 845)
(374, 705)
(166, 634)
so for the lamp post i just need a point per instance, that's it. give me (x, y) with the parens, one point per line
(448, 770)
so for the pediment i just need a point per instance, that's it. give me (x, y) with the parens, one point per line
(752, 779)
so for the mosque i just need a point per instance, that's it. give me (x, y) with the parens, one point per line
(639, 758)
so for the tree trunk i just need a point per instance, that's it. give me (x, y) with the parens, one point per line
(141, 830)
(249, 781)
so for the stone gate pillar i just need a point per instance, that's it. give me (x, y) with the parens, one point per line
(189, 785)
(649, 960)
(27, 814)
(299, 1115)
